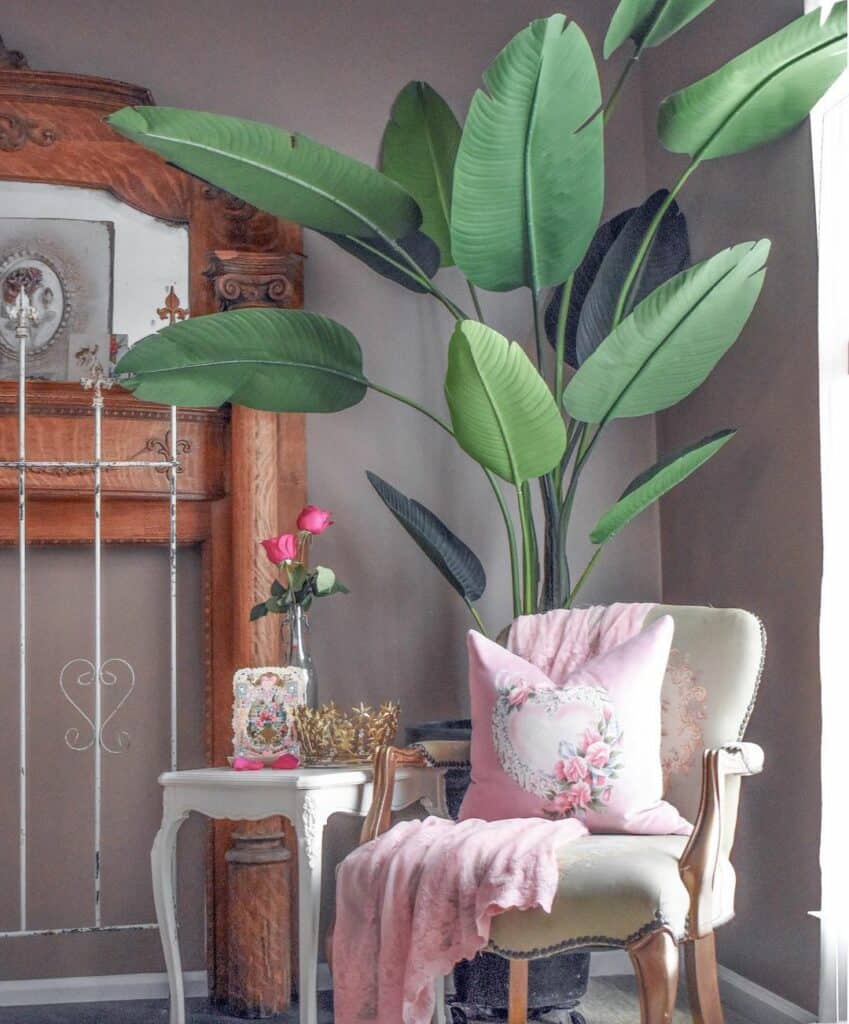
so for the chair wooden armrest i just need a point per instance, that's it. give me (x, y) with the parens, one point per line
(709, 848)
(440, 754)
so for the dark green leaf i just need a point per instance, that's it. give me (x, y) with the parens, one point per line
(457, 562)
(584, 276)
(384, 260)
(277, 588)
(282, 360)
(284, 173)
(258, 611)
(419, 149)
(652, 484)
(667, 256)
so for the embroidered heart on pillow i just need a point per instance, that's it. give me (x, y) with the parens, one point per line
(589, 748)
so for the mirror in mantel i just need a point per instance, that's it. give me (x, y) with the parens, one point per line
(82, 276)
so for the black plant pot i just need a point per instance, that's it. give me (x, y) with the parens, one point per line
(557, 982)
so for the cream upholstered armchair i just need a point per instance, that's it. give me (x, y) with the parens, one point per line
(646, 894)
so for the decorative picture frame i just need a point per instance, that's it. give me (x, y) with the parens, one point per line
(263, 701)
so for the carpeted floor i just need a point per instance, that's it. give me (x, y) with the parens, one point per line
(608, 1001)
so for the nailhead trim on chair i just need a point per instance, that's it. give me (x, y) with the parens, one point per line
(748, 714)
(433, 763)
(657, 923)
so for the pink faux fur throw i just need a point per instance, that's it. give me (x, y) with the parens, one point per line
(560, 641)
(415, 901)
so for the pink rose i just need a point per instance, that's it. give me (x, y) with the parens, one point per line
(581, 794)
(607, 711)
(314, 519)
(519, 694)
(598, 754)
(281, 549)
(562, 803)
(591, 735)
(574, 769)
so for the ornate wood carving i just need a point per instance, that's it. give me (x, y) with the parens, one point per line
(11, 58)
(237, 491)
(16, 132)
(243, 279)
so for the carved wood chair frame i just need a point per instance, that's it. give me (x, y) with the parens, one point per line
(654, 956)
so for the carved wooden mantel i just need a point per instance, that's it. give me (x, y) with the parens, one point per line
(243, 471)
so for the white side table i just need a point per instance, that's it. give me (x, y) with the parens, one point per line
(307, 797)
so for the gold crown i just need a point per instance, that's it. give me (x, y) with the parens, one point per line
(329, 736)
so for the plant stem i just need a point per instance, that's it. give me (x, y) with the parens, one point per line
(528, 545)
(537, 329)
(648, 238)
(477, 618)
(560, 340)
(499, 497)
(589, 568)
(474, 294)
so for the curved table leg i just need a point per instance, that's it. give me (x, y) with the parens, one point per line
(162, 863)
(309, 826)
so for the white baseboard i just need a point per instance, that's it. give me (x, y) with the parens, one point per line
(609, 962)
(757, 1003)
(750, 1000)
(105, 989)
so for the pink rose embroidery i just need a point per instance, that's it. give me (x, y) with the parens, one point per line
(581, 794)
(562, 803)
(591, 736)
(575, 769)
(519, 694)
(597, 754)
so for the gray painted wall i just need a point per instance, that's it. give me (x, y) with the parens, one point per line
(331, 70)
(746, 532)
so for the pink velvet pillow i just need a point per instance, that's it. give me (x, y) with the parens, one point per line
(588, 749)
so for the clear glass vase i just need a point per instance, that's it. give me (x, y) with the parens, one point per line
(296, 650)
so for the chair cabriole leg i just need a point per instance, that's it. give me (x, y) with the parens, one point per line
(655, 961)
(702, 985)
(517, 999)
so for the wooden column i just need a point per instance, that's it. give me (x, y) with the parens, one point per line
(267, 489)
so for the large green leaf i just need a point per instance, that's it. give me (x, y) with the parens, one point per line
(529, 177)
(284, 173)
(502, 412)
(672, 340)
(649, 22)
(759, 95)
(419, 149)
(282, 360)
(457, 562)
(652, 484)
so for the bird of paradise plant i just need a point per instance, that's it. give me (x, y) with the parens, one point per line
(513, 199)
